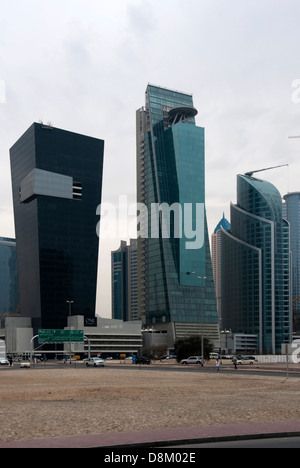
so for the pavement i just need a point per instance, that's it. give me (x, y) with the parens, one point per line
(165, 437)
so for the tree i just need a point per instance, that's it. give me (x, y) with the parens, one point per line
(191, 346)
(155, 352)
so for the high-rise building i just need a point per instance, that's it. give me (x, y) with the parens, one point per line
(124, 282)
(176, 286)
(216, 256)
(291, 209)
(256, 281)
(57, 184)
(9, 287)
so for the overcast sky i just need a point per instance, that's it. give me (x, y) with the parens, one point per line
(84, 66)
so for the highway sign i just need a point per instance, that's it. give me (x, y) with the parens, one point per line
(61, 336)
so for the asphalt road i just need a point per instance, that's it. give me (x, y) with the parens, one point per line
(224, 370)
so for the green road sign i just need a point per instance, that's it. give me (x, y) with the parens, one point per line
(61, 336)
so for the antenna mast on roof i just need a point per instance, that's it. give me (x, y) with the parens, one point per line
(250, 174)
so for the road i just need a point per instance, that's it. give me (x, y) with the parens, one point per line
(242, 370)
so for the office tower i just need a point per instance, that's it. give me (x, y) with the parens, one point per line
(176, 287)
(57, 183)
(9, 288)
(124, 282)
(216, 251)
(256, 266)
(291, 210)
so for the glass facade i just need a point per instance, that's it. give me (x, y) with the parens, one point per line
(9, 288)
(124, 282)
(292, 214)
(55, 222)
(256, 266)
(173, 270)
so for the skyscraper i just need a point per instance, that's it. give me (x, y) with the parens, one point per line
(256, 266)
(176, 286)
(216, 254)
(124, 282)
(57, 183)
(292, 214)
(9, 288)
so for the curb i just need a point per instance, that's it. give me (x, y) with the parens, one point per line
(166, 437)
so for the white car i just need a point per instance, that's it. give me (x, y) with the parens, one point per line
(244, 361)
(192, 360)
(4, 362)
(95, 362)
(25, 365)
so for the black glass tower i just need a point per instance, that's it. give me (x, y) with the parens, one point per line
(57, 185)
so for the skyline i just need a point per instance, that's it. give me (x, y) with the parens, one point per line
(85, 66)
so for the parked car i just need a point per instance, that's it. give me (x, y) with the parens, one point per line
(25, 365)
(4, 362)
(192, 360)
(142, 360)
(95, 362)
(245, 361)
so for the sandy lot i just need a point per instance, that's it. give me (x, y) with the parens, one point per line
(59, 402)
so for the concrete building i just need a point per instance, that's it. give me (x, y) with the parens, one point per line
(238, 343)
(216, 257)
(17, 333)
(106, 337)
(2, 349)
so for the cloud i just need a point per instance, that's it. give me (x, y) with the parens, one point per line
(84, 65)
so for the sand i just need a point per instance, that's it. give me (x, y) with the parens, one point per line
(43, 403)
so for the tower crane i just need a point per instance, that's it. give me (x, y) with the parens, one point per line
(250, 174)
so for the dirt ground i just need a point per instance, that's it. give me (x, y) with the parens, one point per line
(60, 402)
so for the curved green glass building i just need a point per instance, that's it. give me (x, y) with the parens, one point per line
(256, 268)
(176, 285)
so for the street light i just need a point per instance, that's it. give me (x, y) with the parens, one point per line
(70, 315)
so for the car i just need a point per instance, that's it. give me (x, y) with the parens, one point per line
(95, 362)
(192, 360)
(25, 365)
(214, 356)
(245, 361)
(142, 360)
(4, 362)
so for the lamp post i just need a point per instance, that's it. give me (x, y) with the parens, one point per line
(70, 315)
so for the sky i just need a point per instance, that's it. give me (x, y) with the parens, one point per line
(84, 65)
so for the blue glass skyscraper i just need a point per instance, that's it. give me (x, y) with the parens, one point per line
(256, 281)
(176, 286)
(9, 287)
(292, 214)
